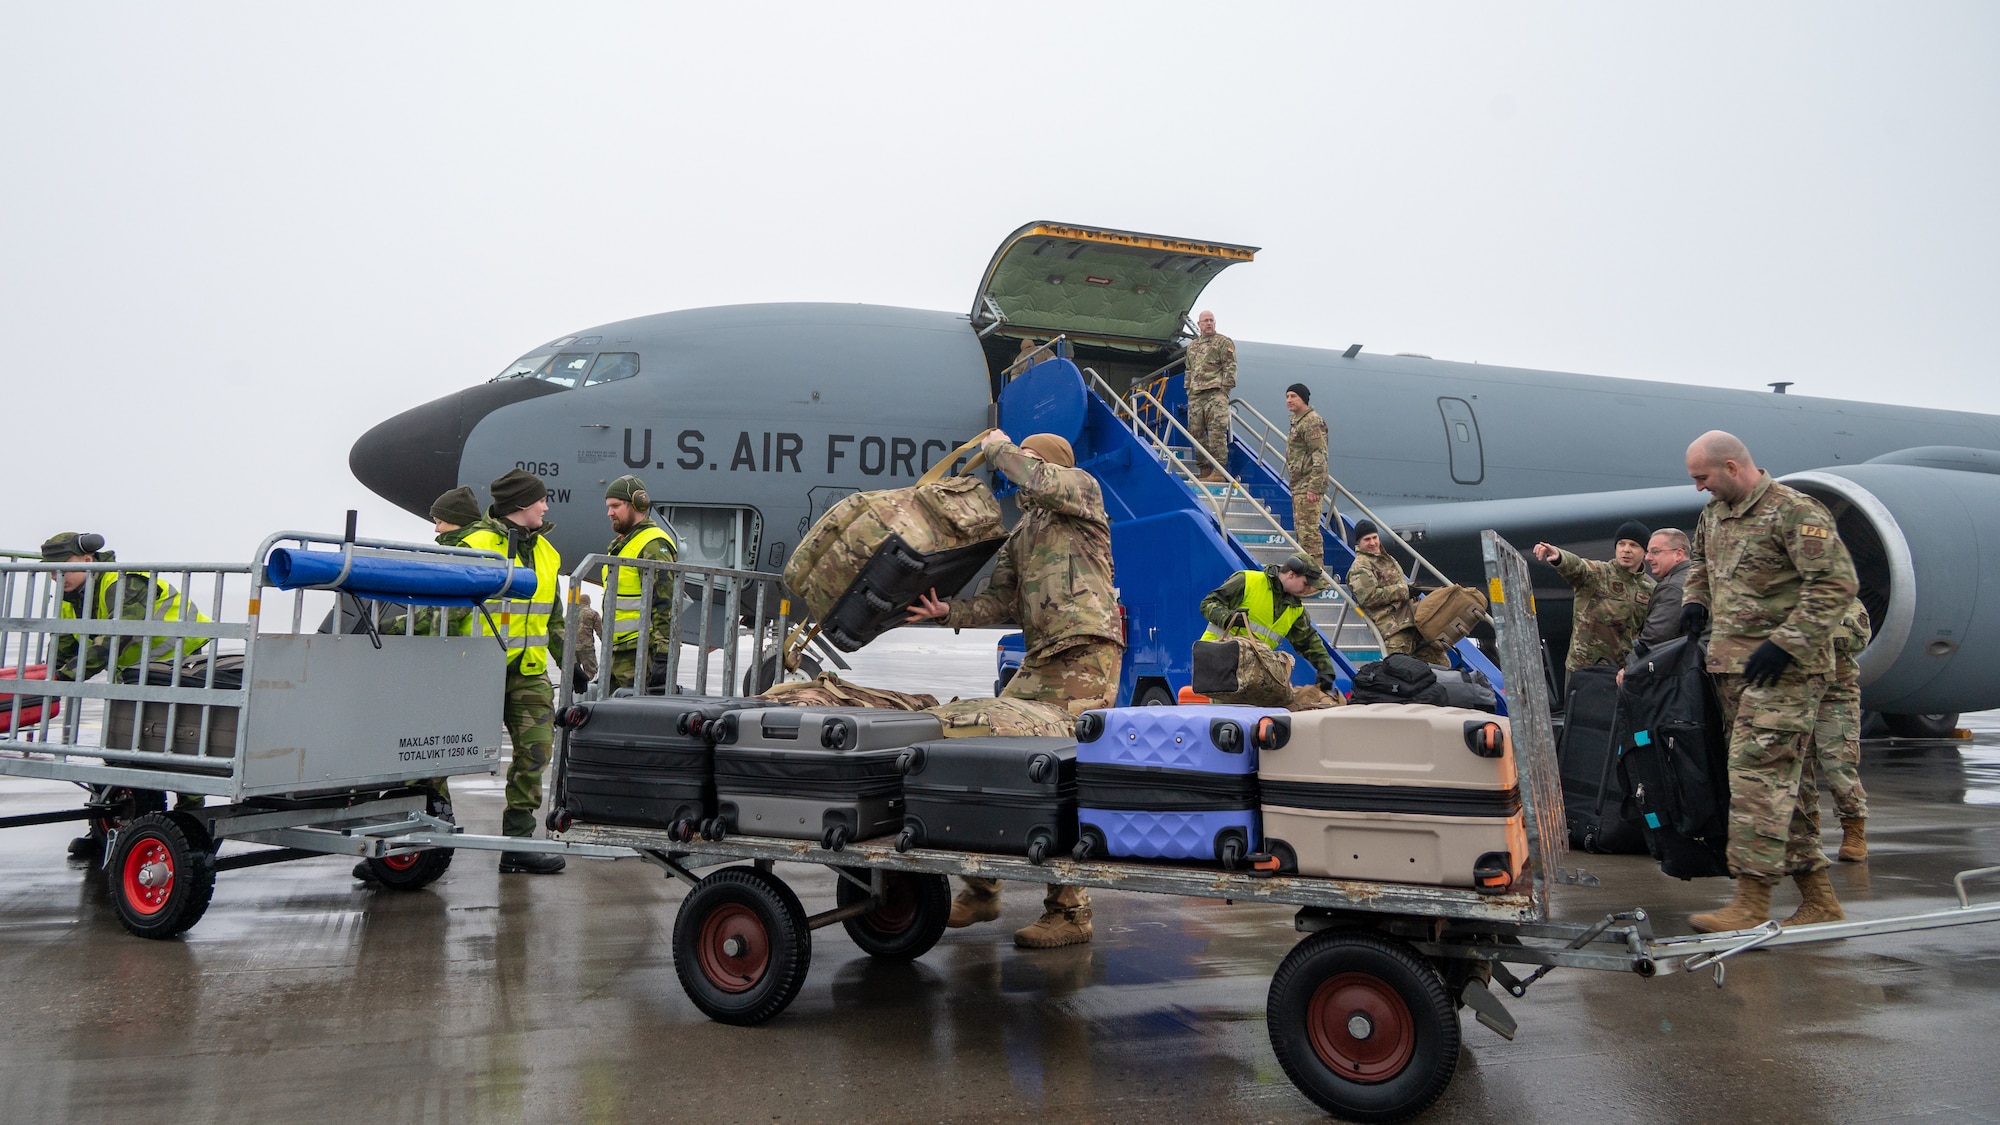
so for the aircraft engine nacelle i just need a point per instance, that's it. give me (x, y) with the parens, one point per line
(1923, 526)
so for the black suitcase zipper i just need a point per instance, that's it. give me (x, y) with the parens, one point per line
(1409, 799)
(1121, 788)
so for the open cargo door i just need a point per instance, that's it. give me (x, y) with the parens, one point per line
(1106, 287)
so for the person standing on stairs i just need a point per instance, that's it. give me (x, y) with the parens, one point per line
(1211, 377)
(1306, 471)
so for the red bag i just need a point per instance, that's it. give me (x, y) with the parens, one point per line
(32, 706)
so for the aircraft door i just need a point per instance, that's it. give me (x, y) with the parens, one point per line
(720, 535)
(1461, 439)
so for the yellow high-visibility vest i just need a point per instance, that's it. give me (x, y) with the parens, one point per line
(1258, 604)
(523, 622)
(167, 606)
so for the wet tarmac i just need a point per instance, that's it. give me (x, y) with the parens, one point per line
(304, 994)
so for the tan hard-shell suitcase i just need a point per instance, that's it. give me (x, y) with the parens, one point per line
(1449, 615)
(1395, 793)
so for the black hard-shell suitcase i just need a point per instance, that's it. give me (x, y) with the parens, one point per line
(634, 761)
(892, 581)
(184, 720)
(1674, 759)
(1397, 678)
(1468, 688)
(1593, 794)
(1015, 796)
(815, 773)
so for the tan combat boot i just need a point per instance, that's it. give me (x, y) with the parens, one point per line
(973, 906)
(1853, 839)
(1750, 908)
(1056, 928)
(1820, 904)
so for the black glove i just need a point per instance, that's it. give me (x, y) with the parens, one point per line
(1694, 619)
(1326, 684)
(1238, 620)
(1766, 665)
(579, 682)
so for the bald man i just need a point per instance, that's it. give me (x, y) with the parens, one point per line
(1768, 571)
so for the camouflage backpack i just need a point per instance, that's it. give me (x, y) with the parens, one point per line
(830, 690)
(1005, 716)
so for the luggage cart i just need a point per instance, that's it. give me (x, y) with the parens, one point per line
(312, 751)
(1363, 1014)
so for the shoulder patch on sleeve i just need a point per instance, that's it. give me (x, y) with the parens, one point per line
(1814, 531)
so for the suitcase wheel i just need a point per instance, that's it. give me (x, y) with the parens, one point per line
(911, 761)
(833, 735)
(1038, 849)
(1490, 874)
(714, 828)
(558, 820)
(1042, 768)
(906, 839)
(1089, 726)
(1262, 865)
(1485, 738)
(1087, 845)
(834, 838)
(573, 718)
(1272, 732)
(686, 726)
(1227, 736)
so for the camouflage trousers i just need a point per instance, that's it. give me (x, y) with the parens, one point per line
(530, 716)
(1772, 832)
(625, 665)
(1081, 677)
(1208, 421)
(1305, 528)
(1059, 898)
(1837, 748)
(1412, 643)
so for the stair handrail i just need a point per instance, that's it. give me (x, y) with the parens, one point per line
(1129, 406)
(1282, 446)
(1270, 440)
(1017, 366)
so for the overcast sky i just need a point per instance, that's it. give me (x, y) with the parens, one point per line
(233, 237)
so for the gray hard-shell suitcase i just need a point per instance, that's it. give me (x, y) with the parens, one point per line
(815, 773)
(183, 721)
(1395, 793)
(1009, 795)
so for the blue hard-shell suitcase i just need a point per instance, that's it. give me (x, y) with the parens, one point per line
(1173, 783)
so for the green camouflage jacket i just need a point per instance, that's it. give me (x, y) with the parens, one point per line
(1305, 640)
(1305, 453)
(1849, 638)
(1379, 588)
(1770, 568)
(1211, 364)
(1053, 577)
(1611, 608)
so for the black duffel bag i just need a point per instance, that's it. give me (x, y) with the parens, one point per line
(1398, 678)
(1674, 759)
(1468, 688)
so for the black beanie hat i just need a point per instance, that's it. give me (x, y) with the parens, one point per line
(458, 506)
(1365, 528)
(516, 490)
(1633, 530)
(1301, 390)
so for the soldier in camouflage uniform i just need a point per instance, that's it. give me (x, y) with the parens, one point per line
(1211, 376)
(1612, 598)
(626, 505)
(514, 526)
(1769, 571)
(1383, 593)
(1305, 471)
(1053, 578)
(1836, 752)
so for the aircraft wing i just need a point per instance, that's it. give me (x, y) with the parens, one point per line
(1583, 522)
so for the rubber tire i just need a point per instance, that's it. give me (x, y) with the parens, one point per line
(1153, 695)
(1920, 726)
(412, 870)
(1400, 972)
(184, 846)
(782, 922)
(760, 679)
(904, 928)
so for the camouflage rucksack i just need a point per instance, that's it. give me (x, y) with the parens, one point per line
(1005, 716)
(830, 690)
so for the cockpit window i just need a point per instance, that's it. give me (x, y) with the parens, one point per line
(611, 366)
(525, 368)
(566, 369)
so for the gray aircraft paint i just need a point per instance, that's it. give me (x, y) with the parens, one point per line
(783, 408)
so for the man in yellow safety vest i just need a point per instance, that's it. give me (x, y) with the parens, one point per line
(530, 627)
(636, 536)
(1266, 604)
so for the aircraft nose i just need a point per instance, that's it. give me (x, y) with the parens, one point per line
(412, 458)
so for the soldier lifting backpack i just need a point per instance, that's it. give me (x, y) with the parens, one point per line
(873, 554)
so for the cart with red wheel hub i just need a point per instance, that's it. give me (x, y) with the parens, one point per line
(1363, 1014)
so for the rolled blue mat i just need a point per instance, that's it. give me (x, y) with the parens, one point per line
(412, 581)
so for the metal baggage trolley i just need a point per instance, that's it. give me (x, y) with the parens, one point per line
(1362, 1014)
(310, 741)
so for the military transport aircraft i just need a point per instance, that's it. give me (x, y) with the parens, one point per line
(750, 420)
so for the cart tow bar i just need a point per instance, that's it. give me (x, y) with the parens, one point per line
(1759, 936)
(1517, 987)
